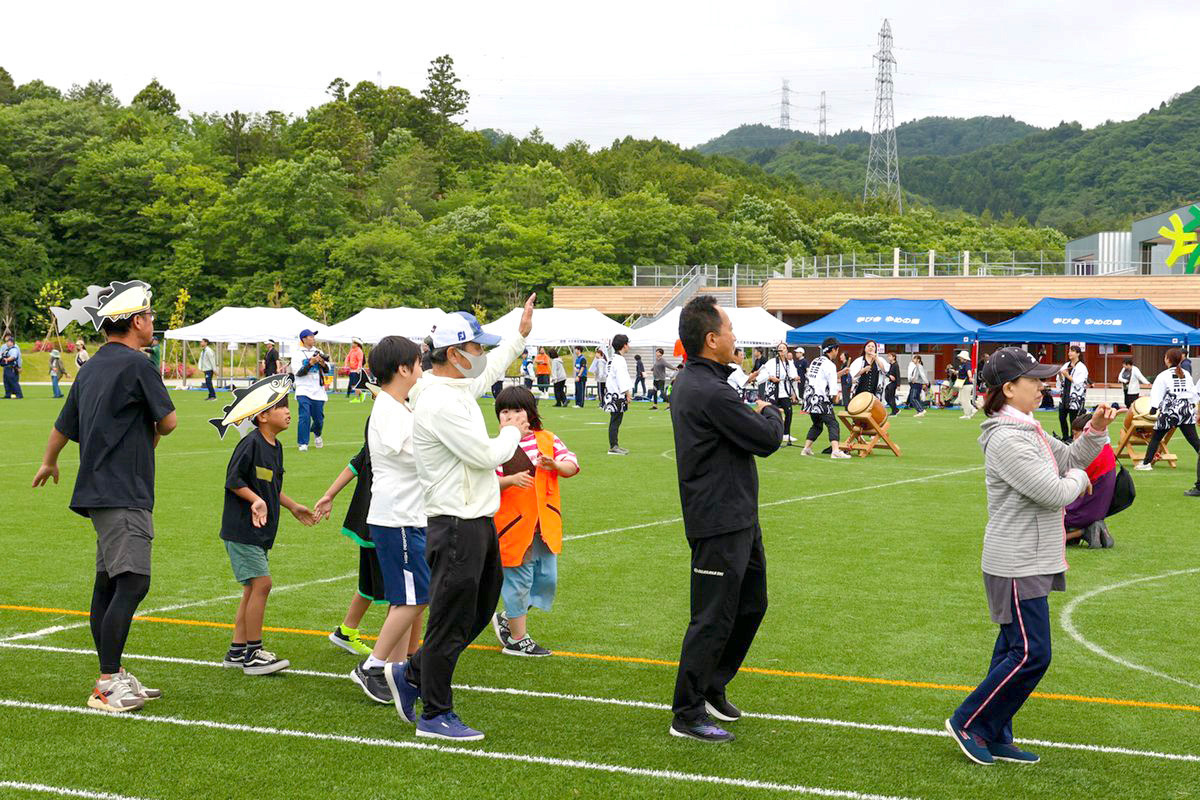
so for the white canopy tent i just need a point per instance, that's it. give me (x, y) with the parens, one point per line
(753, 327)
(558, 327)
(372, 324)
(247, 325)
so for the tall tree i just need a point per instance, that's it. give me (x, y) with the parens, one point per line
(157, 97)
(443, 93)
(8, 89)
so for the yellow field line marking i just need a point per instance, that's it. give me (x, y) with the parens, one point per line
(779, 673)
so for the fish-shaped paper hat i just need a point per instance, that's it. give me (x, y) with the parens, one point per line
(254, 399)
(116, 301)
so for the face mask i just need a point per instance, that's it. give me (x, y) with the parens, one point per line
(478, 364)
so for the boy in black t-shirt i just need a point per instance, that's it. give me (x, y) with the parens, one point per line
(253, 497)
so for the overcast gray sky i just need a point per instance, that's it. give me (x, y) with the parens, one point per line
(598, 71)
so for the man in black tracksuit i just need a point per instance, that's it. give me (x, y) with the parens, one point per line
(716, 439)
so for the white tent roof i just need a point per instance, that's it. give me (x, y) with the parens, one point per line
(372, 324)
(238, 324)
(753, 327)
(554, 327)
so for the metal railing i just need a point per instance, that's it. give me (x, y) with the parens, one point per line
(715, 276)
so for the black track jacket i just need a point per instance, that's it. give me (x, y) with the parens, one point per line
(716, 439)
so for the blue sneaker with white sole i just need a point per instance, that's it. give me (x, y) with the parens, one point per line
(447, 726)
(972, 746)
(404, 694)
(1010, 752)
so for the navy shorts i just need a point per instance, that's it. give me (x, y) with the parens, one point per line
(401, 554)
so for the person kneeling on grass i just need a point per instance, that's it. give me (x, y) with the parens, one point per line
(529, 522)
(253, 497)
(1085, 517)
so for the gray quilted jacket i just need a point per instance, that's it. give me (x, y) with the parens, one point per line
(1030, 477)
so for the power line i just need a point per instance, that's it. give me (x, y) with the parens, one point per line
(883, 162)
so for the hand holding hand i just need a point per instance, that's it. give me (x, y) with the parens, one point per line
(323, 508)
(304, 516)
(44, 473)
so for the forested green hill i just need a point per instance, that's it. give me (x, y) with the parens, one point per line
(379, 197)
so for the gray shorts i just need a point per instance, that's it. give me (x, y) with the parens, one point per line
(123, 537)
(249, 561)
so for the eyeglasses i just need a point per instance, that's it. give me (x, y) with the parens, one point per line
(147, 313)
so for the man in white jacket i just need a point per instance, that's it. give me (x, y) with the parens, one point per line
(456, 462)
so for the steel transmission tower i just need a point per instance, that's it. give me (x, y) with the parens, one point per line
(822, 133)
(883, 162)
(785, 108)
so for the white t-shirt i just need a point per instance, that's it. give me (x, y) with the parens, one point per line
(618, 381)
(397, 499)
(309, 385)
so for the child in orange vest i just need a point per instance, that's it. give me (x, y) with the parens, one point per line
(529, 522)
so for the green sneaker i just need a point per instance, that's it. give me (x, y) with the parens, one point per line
(348, 639)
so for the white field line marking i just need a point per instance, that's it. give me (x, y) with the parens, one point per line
(1068, 625)
(785, 501)
(62, 791)
(174, 607)
(612, 701)
(595, 766)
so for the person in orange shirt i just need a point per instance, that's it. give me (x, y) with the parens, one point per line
(529, 522)
(354, 363)
(541, 367)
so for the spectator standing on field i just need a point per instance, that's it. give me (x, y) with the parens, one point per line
(10, 359)
(658, 374)
(57, 371)
(581, 375)
(639, 376)
(310, 367)
(618, 393)
(208, 365)
(271, 359)
(354, 365)
(600, 373)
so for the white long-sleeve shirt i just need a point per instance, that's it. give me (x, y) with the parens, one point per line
(599, 369)
(619, 381)
(456, 458)
(916, 373)
(557, 371)
(208, 360)
(1135, 379)
(822, 378)
(785, 371)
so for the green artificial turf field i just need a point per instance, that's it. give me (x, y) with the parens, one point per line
(877, 622)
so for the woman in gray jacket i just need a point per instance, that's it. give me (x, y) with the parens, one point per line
(1030, 477)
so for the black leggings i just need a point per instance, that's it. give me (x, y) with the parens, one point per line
(1188, 429)
(784, 405)
(560, 394)
(114, 601)
(828, 422)
(614, 427)
(1066, 417)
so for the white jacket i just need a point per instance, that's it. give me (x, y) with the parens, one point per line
(456, 459)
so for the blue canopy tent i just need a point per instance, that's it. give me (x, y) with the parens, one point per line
(1094, 320)
(891, 321)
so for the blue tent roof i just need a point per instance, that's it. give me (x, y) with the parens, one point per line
(891, 321)
(1096, 320)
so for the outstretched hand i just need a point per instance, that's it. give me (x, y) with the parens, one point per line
(526, 325)
(304, 516)
(323, 508)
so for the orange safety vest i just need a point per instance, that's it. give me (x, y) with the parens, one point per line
(522, 510)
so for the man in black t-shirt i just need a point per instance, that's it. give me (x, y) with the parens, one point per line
(271, 359)
(116, 410)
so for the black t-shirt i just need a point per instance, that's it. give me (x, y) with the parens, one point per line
(964, 372)
(355, 523)
(111, 410)
(271, 362)
(258, 465)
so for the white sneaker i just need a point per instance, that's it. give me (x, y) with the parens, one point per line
(114, 695)
(839, 454)
(319, 442)
(789, 438)
(919, 414)
(806, 451)
(1144, 467)
(303, 447)
(144, 692)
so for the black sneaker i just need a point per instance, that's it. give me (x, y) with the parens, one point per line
(372, 682)
(703, 729)
(1193, 492)
(263, 662)
(525, 647)
(722, 709)
(500, 626)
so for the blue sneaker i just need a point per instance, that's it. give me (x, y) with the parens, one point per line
(404, 694)
(1010, 752)
(972, 746)
(703, 729)
(447, 726)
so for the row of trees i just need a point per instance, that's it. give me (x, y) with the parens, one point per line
(381, 197)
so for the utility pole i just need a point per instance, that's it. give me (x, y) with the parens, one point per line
(822, 134)
(785, 108)
(883, 162)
